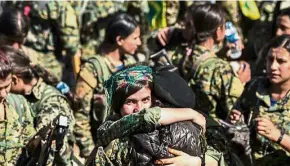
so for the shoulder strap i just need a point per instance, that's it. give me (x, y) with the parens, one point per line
(100, 66)
(48, 93)
(203, 59)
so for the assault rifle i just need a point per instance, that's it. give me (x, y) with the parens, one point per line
(37, 150)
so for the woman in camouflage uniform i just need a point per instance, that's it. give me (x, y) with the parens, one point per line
(265, 104)
(129, 92)
(14, 33)
(15, 130)
(47, 102)
(122, 37)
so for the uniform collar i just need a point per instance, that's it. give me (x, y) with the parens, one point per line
(200, 50)
(38, 89)
(263, 94)
(113, 68)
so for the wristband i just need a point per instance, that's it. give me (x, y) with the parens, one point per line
(281, 137)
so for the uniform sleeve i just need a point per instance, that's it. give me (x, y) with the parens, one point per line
(218, 156)
(118, 152)
(248, 98)
(143, 121)
(228, 85)
(85, 85)
(49, 110)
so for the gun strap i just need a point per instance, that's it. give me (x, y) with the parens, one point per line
(45, 150)
(92, 156)
(202, 59)
(77, 161)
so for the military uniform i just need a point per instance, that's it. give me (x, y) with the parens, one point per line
(47, 103)
(54, 31)
(256, 102)
(92, 18)
(120, 150)
(14, 131)
(213, 81)
(47, 62)
(22, 107)
(89, 87)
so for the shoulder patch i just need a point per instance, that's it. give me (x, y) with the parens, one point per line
(89, 77)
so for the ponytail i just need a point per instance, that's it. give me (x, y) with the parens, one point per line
(206, 19)
(23, 68)
(41, 72)
(61, 86)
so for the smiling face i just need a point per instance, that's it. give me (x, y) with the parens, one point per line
(278, 65)
(137, 102)
(131, 43)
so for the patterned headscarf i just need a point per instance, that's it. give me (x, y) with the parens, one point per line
(126, 77)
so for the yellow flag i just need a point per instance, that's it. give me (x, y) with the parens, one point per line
(157, 14)
(249, 9)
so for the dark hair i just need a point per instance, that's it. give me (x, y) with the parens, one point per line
(284, 12)
(14, 25)
(5, 66)
(121, 94)
(206, 19)
(122, 25)
(279, 41)
(22, 67)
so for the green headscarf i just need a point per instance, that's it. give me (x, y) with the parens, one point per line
(123, 78)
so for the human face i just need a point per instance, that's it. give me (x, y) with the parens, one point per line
(278, 65)
(221, 32)
(130, 44)
(283, 26)
(5, 86)
(20, 87)
(137, 102)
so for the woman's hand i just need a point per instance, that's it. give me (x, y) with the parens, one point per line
(267, 129)
(234, 116)
(164, 36)
(181, 159)
(245, 72)
(200, 120)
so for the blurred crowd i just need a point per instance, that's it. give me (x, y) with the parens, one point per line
(182, 83)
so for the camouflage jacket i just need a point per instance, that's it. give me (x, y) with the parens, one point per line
(255, 102)
(22, 107)
(11, 139)
(47, 103)
(92, 19)
(53, 23)
(50, 63)
(89, 88)
(120, 151)
(213, 81)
